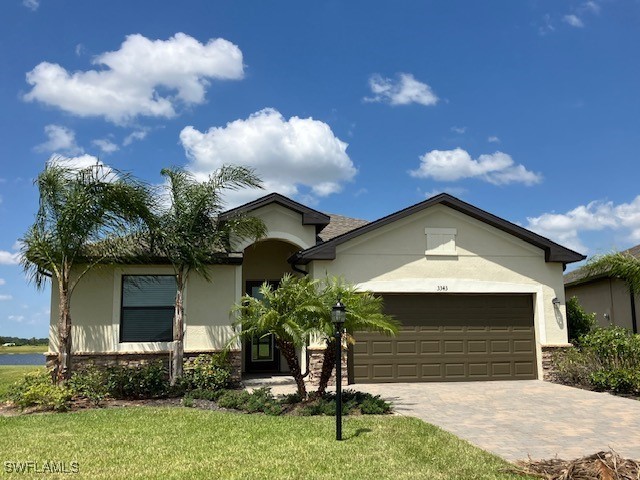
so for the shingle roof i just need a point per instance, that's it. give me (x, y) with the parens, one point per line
(580, 275)
(338, 225)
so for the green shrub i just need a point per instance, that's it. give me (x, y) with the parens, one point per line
(211, 395)
(90, 383)
(620, 380)
(374, 405)
(574, 366)
(234, 399)
(353, 402)
(615, 347)
(260, 400)
(207, 372)
(38, 390)
(146, 381)
(579, 322)
(606, 359)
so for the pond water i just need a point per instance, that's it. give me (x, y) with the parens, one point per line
(21, 359)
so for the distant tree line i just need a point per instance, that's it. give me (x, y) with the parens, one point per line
(24, 341)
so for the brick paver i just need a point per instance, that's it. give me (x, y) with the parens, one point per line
(517, 419)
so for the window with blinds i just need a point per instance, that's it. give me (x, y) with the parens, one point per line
(147, 308)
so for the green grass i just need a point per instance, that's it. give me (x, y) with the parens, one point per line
(24, 349)
(9, 374)
(188, 443)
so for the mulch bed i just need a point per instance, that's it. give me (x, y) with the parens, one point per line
(599, 466)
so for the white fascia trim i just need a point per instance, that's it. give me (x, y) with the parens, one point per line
(275, 235)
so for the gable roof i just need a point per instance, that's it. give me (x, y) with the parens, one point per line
(553, 251)
(581, 275)
(309, 215)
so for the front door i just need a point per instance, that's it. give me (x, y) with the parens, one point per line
(261, 353)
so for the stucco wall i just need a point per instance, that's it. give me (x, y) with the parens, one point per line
(393, 259)
(267, 260)
(606, 296)
(283, 224)
(95, 310)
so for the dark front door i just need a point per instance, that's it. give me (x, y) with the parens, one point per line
(261, 353)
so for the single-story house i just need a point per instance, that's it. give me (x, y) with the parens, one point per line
(606, 296)
(479, 298)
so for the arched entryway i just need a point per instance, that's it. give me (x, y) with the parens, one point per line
(264, 261)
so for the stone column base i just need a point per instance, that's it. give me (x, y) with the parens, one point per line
(548, 367)
(316, 356)
(137, 359)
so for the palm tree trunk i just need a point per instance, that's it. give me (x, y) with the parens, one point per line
(289, 352)
(328, 362)
(177, 353)
(62, 370)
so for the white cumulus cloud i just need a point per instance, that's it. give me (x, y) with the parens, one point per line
(5, 298)
(105, 145)
(81, 162)
(452, 165)
(404, 90)
(60, 139)
(573, 20)
(565, 228)
(3, 281)
(144, 77)
(493, 139)
(9, 258)
(287, 154)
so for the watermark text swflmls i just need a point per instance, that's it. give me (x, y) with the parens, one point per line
(46, 466)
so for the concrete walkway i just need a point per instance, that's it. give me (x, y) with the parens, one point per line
(519, 418)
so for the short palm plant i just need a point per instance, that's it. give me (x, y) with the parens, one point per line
(364, 312)
(288, 312)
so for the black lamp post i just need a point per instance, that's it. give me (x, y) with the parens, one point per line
(338, 316)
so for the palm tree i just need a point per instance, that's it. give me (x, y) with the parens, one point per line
(621, 265)
(363, 312)
(288, 312)
(82, 216)
(191, 236)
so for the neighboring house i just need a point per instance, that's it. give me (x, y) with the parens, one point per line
(608, 297)
(479, 298)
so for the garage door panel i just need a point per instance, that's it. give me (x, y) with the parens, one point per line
(451, 338)
(405, 347)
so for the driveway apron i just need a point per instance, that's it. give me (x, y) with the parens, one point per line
(516, 419)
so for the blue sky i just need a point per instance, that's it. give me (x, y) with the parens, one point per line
(527, 109)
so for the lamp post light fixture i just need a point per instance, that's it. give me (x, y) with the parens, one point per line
(338, 317)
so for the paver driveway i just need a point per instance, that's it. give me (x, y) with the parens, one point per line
(519, 418)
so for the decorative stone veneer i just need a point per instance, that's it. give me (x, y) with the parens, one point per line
(315, 356)
(136, 359)
(548, 368)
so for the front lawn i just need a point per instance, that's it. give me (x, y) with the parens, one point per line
(145, 442)
(9, 374)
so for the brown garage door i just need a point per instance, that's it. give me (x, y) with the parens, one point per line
(450, 337)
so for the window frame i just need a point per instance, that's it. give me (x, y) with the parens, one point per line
(123, 308)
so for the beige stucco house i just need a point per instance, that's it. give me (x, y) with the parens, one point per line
(479, 298)
(606, 296)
